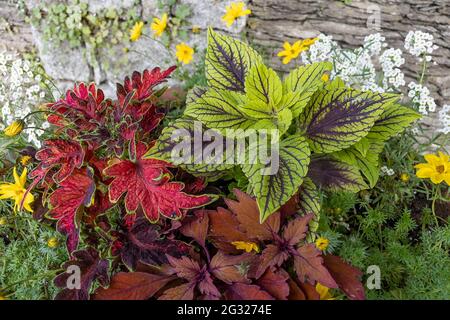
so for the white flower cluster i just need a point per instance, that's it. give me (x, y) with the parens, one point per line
(357, 67)
(20, 92)
(391, 60)
(387, 171)
(374, 43)
(420, 44)
(444, 117)
(421, 98)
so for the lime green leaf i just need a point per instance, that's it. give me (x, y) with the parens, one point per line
(275, 188)
(221, 110)
(264, 86)
(335, 120)
(228, 61)
(392, 121)
(304, 81)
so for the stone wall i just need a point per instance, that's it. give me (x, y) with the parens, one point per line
(271, 23)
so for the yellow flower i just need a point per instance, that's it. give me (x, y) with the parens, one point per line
(234, 11)
(25, 160)
(404, 177)
(437, 168)
(246, 246)
(325, 77)
(136, 31)
(322, 243)
(16, 191)
(292, 51)
(159, 25)
(324, 292)
(52, 242)
(14, 128)
(3, 221)
(184, 53)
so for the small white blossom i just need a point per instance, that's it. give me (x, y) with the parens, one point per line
(444, 117)
(420, 44)
(421, 98)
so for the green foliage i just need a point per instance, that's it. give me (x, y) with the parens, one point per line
(78, 26)
(394, 226)
(27, 263)
(244, 94)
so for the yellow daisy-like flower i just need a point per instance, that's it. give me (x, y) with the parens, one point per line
(25, 160)
(14, 128)
(159, 25)
(325, 77)
(184, 53)
(322, 243)
(292, 51)
(324, 292)
(246, 246)
(234, 11)
(404, 177)
(52, 242)
(16, 191)
(437, 168)
(136, 31)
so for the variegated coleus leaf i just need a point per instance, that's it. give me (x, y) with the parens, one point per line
(365, 158)
(220, 109)
(335, 175)
(276, 183)
(309, 202)
(176, 144)
(303, 82)
(228, 62)
(265, 100)
(394, 119)
(335, 120)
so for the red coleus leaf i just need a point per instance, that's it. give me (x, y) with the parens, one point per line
(146, 184)
(247, 213)
(182, 292)
(308, 264)
(67, 155)
(196, 227)
(283, 247)
(143, 243)
(296, 229)
(83, 106)
(241, 223)
(346, 276)
(275, 283)
(72, 194)
(229, 269)
(242, 291)
(143, 83)
(133, 286)
(86, 267)
(197, 276)
(271, 256)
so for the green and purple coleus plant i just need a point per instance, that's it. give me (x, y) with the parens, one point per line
(330, 135)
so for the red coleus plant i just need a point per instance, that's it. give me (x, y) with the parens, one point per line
(93, 158)
(286, 268)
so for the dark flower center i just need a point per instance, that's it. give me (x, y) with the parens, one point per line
(440, 169)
